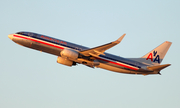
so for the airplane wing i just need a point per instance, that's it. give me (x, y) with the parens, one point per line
(101, 49)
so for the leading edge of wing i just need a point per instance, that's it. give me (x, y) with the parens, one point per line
(101, 49)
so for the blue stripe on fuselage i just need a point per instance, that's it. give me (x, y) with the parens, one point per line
(119, 59)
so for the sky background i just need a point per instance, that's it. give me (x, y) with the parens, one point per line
(31, 79)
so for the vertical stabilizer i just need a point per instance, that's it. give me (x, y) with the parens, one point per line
(156, 56)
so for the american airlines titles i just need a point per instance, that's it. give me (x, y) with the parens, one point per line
(55, 40)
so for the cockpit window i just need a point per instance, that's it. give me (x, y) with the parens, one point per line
(19, 33)
(27, 34)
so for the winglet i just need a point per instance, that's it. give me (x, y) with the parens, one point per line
(120, 39)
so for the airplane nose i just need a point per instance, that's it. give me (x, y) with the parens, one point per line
(10, 36)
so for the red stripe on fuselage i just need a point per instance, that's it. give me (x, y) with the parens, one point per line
(39, 41)
(63, 48)
(117, 64)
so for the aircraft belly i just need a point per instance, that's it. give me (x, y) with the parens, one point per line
(38, 46)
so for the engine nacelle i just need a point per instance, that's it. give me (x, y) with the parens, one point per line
(67, 53)
(64, 61)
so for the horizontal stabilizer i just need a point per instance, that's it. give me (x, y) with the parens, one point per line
(158, 67)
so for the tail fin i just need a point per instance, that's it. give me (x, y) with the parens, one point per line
(156, 56)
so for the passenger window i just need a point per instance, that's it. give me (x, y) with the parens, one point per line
(30, 34)
(25, 34)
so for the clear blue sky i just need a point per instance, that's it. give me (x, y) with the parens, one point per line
(31, 79)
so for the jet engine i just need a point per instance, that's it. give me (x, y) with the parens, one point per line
(67, 53)
(66, 62)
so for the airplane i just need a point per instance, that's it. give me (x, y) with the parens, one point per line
(71, 54)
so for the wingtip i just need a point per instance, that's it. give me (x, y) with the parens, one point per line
(123, 35)
(168, 42)
(121, 38)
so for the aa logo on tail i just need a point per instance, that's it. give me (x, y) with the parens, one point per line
(153, 55)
